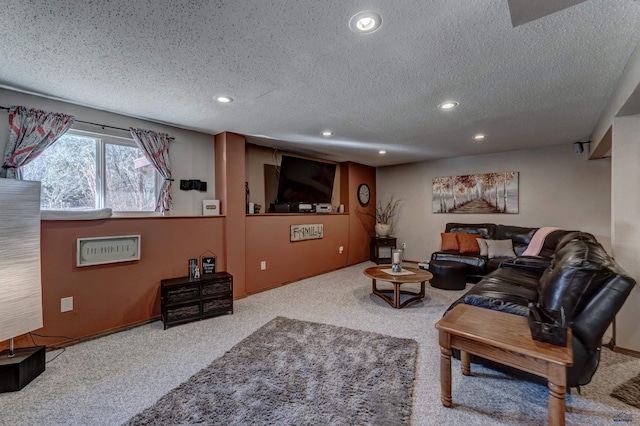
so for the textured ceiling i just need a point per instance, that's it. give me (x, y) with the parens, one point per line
(294, 69)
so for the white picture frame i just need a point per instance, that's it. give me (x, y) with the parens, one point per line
(103, 250)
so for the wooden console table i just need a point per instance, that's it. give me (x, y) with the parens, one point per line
(506, 339)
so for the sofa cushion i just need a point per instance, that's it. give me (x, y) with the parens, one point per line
(495, 263)
(467, 243)
(519, 235)
(482, 243)
(500, 248)
(493, 293)
(475, 264)
(486, 230)
(449, 242)
(551, 242)
(573, 236)
(580, 268)
(517, 277)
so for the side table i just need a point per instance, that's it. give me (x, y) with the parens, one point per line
(381, 249)
(507, 341)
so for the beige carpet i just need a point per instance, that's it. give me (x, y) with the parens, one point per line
(109, 380)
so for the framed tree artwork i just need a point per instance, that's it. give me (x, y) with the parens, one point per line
(479, 193)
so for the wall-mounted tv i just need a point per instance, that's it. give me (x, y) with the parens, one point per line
(305, 181)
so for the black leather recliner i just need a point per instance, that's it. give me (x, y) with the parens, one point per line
(582, 279)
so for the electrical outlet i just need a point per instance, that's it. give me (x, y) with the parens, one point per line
(66, 304)
(263, 265)
(341, 249)
(404, 246)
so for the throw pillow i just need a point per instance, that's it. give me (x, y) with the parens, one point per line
(500, 248)
(482, 243)
(467, 243)
(449, 241)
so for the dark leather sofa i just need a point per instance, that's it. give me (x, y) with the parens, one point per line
(478, 266)
(580, 278)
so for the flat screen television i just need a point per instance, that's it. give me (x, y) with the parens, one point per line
(305, 181)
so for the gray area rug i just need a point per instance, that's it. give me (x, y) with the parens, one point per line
(292, 372)
(629, 392)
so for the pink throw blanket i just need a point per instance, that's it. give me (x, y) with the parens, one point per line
(534, 247)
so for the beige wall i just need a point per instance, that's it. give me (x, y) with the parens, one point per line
(191, 153)
(557, 188)
(625, 229)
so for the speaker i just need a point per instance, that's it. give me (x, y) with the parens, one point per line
(578, 148)
(19, 371)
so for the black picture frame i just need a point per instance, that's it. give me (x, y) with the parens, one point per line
(208, 265)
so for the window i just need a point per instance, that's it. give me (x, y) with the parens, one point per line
(85, 170)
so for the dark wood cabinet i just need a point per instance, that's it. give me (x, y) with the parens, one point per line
(188, 299)
(381, 249)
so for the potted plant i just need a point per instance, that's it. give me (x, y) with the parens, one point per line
(385, 214)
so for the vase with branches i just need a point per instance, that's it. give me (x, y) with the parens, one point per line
(385, 215)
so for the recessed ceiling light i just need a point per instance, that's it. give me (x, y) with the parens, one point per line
(382, 151)
(365, 22)
(478, 137)
(224, 99)
(448, 105)
(327, 133)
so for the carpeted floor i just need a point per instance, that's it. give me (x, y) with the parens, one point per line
(109, 380)
(292, 372)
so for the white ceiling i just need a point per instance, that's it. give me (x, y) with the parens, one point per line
(294, 69)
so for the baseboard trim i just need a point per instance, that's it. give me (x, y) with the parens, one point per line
(83, 339)
(249, 293)
(624, 351)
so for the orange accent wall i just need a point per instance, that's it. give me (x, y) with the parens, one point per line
(107, 297)
(230, 189)
(360, 224)
(268, 239)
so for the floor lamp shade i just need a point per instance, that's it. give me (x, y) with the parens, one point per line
(20, 286)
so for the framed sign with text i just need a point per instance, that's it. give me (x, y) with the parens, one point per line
(307, 232)
(208, 265)
(102, 250)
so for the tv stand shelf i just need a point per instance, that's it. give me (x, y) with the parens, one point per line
(187, 299)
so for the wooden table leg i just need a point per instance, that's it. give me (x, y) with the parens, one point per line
(373, 285)
(396, 295)
(557, 380)
(445, 368)
(466, 363)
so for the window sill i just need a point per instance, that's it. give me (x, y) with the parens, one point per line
(58, 215)
(75, 214)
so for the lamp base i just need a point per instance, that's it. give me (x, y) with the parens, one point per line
(18, 371)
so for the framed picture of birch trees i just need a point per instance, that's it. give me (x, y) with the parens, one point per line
(479, 193)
